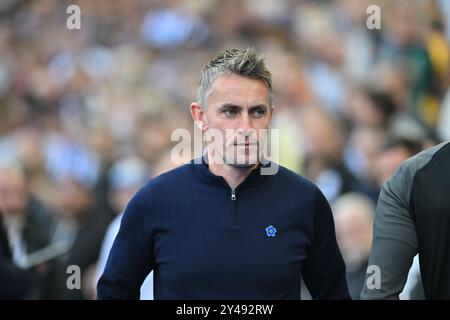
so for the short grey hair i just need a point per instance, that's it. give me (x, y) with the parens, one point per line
(244, 62)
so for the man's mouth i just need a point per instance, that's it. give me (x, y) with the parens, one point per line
(247, 145)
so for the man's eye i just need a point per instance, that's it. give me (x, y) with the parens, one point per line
(230, 112)
(258, 113)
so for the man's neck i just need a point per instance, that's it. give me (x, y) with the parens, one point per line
(234, 176)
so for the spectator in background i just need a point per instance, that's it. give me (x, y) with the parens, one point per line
(28, 223)
(362, 147)
(353, 216)
(15, 282)
(379, 156)
(324, 139)
(391, 155)
(368, 107)
(404, 47)
(81, 228)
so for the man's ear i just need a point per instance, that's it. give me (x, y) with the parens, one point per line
(199, 116)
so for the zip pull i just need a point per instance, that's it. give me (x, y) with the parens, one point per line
(233, 195)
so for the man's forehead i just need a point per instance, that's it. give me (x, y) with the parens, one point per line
(232, 80)
(235, 89)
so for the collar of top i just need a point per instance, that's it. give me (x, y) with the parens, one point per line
(201, 170)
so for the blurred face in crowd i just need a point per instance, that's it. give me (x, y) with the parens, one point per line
(322, 135)
(242, 105)
(367, 141)
(388, 161)
(354, 234)
(360, 110)
(404, 22)
(119, 198)
(74, 198)
(13, 192)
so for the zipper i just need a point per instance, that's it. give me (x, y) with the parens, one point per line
(234, 217)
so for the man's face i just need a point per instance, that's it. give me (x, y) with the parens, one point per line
(13, 192)
(354, 234)
(238, 108)
(74, 199)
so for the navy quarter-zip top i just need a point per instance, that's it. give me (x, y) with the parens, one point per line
(204, 240)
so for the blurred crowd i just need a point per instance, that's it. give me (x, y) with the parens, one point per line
(86, 115)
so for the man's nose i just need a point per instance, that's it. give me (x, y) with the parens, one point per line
(245, 125)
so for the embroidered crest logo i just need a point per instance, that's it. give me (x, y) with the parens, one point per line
(271, 231)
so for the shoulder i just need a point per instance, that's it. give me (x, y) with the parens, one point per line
(168, 180)
(157, 192)
(293, 179)
(294, 188)
(164, 187)
(415, 163)
(401, 181)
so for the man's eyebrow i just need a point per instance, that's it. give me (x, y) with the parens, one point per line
(235, 106)
(259, 106)
(229, 106)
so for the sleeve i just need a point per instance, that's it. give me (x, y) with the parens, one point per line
(394, 243)
(324, 271)
(131, 256)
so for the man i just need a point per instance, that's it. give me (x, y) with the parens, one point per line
(353, 217)
(413, 216)
(218, 228)
(391, 155)
(27, 221)
(26, 225)
(16, 283)
(80, 227)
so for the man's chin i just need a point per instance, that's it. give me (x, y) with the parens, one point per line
(242, 165)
